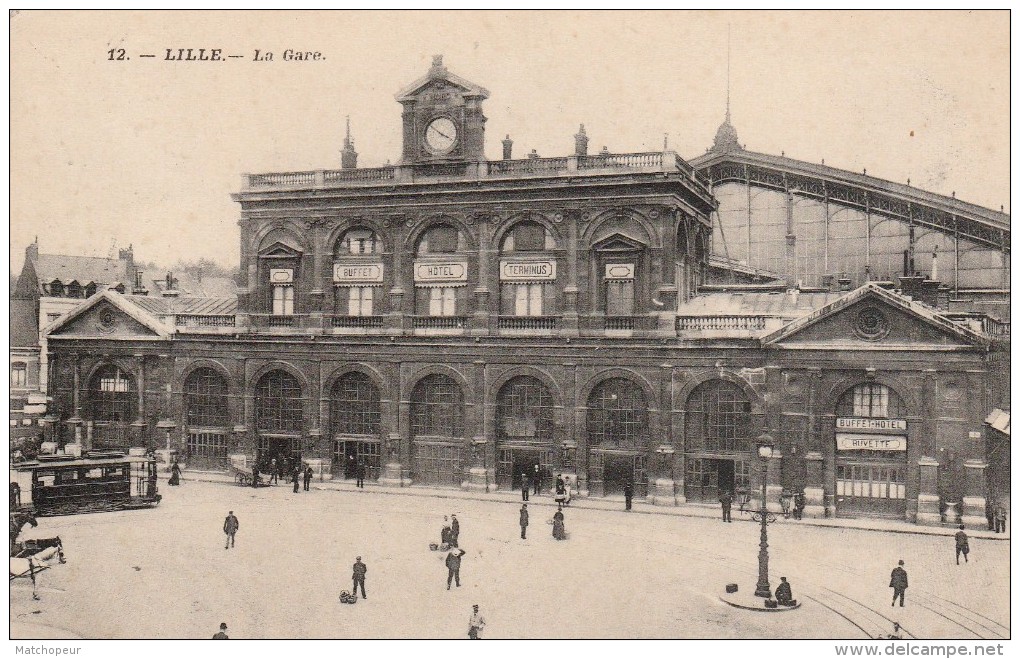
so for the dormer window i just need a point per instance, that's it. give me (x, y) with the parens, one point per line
(90, 289)
(56, 288)
(74, 289)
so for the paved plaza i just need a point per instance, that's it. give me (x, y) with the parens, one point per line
(164, 573)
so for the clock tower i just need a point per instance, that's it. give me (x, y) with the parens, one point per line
(443, 120)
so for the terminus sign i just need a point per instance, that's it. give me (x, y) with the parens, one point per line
(439, 272)
(527, 270)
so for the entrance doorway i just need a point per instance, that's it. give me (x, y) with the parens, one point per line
(708, 478)
(285, 450)
(610, 472)
(349, 453)
(517, 460)
(871, 489)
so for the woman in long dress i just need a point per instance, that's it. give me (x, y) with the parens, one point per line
(175, 474)
(559, 532)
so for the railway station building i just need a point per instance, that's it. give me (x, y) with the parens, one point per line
(451, 321)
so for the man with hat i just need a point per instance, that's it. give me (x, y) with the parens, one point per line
(230, 526)
(898, 582)
(524, 521)
(359, 577)
(476, 624)
(222, 634)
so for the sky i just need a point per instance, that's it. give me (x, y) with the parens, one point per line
(146, 152)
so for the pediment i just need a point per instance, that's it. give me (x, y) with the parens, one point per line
(619, 242)
(107, 315)
(439, 81)
(280, 250)
(871, 317)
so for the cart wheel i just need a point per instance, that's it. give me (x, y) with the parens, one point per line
(241, 479)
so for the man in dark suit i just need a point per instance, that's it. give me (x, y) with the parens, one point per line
(524, 521)
(454, 531)
(536, 480)
(308, 477)
(453, 567)
(898, 582)
(359, 471)
(727, 503)
(222, 634)
(359, 577)
(524, 486)
(628, 494)
(296, 477)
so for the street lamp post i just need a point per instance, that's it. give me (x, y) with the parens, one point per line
(765, 446)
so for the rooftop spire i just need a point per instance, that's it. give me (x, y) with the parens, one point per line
(726, 136)
(348, 156)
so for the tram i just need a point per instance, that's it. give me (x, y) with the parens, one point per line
(97, 482)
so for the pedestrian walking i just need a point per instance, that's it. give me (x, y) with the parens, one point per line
(453, 566)
(255, 474)
(359, 471)
(799, 502)
(559, 530)
(727, 504)
(280, 470)
(273, 476)
(308, 476)
(454, 531)
(296, 477)
(628, 493)
(962, 545)
(222, 634)
(524, 486)
(230, 527)
(524, 521)
(536, 480)
(175, 474)
(898, 582)
(359, 577)
(561, 491)
(475, 624)
(1000, 518)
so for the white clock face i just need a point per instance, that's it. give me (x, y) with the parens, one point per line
(441, 135)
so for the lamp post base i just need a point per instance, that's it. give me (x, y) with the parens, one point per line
(763, 591)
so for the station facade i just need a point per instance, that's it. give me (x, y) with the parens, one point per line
(453, 321)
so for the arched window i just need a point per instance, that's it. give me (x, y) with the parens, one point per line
(437, 407)
(527, 237)
(359, 242)
(205, 399)
(441, 239)
(111, 395)
(354, 407)
(718, 418)
(872, 401)
(524, 410)
(617, 414)
(278, 404)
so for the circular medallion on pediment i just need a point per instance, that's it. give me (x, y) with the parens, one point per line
(106, 321)
(871, 324)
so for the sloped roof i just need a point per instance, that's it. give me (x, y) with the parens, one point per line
(184, 305)
(136, 312)
(84, 269)
(785, 305)
(439, 72)
(871, 288)
(999, 420)
(199, 287)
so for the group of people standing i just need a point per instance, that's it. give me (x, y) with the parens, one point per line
(797, 500)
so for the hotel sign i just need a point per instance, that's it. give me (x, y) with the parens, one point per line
(357, 273)
(440, 272)
(870, 424)
(854, 442)
(527, 270)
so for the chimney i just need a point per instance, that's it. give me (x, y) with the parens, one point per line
(581, 142)
(170, 286)
(533, 155)
(348, 156)
(845, 283)
(604, 152)
(32, 251)
(508, 146)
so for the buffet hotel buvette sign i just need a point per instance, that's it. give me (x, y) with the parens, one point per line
(358, 273)
(439, 272)
(527, 270)
(858, 442)
(870, 424)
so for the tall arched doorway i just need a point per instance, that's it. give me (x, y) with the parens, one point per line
(207, 418)
(718, 441)
(524, 430)
(871, 453)
(355, 414)
(617, 431)
(279, 419)
(112, 407)
(437, 431)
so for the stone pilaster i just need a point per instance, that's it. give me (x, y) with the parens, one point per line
(927, 498)
(814, 490)
(974, 488)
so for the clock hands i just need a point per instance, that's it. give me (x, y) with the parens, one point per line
(433, 128)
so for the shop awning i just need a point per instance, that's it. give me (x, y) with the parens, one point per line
(999, 420)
